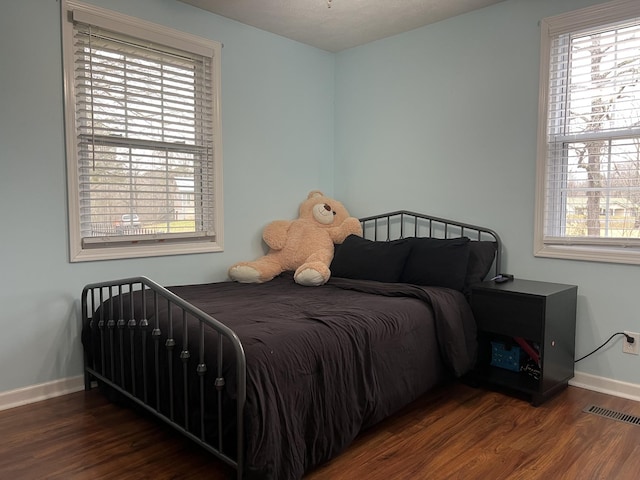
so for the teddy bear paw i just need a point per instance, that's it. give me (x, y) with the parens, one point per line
(309, 278)
(244, 274)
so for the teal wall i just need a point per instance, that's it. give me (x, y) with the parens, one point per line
(441, 119)
(277, 127)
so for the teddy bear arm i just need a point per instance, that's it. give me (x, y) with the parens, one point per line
(351, 226)
(275, 234)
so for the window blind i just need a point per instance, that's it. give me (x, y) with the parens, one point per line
(592, 176)
(144, 139)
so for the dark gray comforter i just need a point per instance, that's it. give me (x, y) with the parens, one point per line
(324, 363)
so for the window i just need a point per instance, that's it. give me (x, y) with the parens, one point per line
(143, 137)
(588, 186)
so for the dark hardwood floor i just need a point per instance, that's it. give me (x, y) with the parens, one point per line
(457, 432)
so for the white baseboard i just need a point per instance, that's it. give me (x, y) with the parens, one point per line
(42, 391)
(56, 388)
(606, 385)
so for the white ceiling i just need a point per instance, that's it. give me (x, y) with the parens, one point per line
(338, 24)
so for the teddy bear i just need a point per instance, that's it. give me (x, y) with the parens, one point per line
(304, 246)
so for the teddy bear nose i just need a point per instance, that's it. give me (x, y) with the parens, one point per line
(327, 207)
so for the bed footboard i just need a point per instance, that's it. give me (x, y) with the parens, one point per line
(138, 350)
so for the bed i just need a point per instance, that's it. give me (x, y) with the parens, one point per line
(276, 378)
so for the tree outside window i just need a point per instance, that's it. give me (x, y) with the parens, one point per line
(589, 192)
(143, 137)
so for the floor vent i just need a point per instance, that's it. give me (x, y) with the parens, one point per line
(612, 414)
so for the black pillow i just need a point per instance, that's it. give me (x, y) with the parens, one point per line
(437, 262)
(363, 259)
(481, 255)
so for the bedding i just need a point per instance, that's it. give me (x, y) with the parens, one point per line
(363, 259)
(481, 258)
(454, 263)
(437, 262)
(277, 378)
(322, 363)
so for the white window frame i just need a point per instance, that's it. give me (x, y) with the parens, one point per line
(582, 248)
(143, 245)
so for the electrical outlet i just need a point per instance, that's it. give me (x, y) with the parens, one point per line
(631, 347)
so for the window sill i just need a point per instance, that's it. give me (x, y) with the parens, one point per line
(141, 251)
(590, 253)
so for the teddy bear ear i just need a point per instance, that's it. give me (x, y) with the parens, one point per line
(315, 193)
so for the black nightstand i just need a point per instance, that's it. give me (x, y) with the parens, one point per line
(540, 313)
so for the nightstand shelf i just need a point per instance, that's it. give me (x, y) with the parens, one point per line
(541, 313)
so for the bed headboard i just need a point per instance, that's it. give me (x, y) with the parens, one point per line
(403, 223)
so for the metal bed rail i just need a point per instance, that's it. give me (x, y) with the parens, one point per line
(404, 223)
(117, 328)
(122, 334)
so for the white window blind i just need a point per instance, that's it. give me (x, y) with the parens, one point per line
(591, 193)
(144, 139)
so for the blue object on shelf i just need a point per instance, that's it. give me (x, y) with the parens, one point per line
(506, 356)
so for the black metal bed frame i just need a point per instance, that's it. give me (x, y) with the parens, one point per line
(404, 223)
(117, 326)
